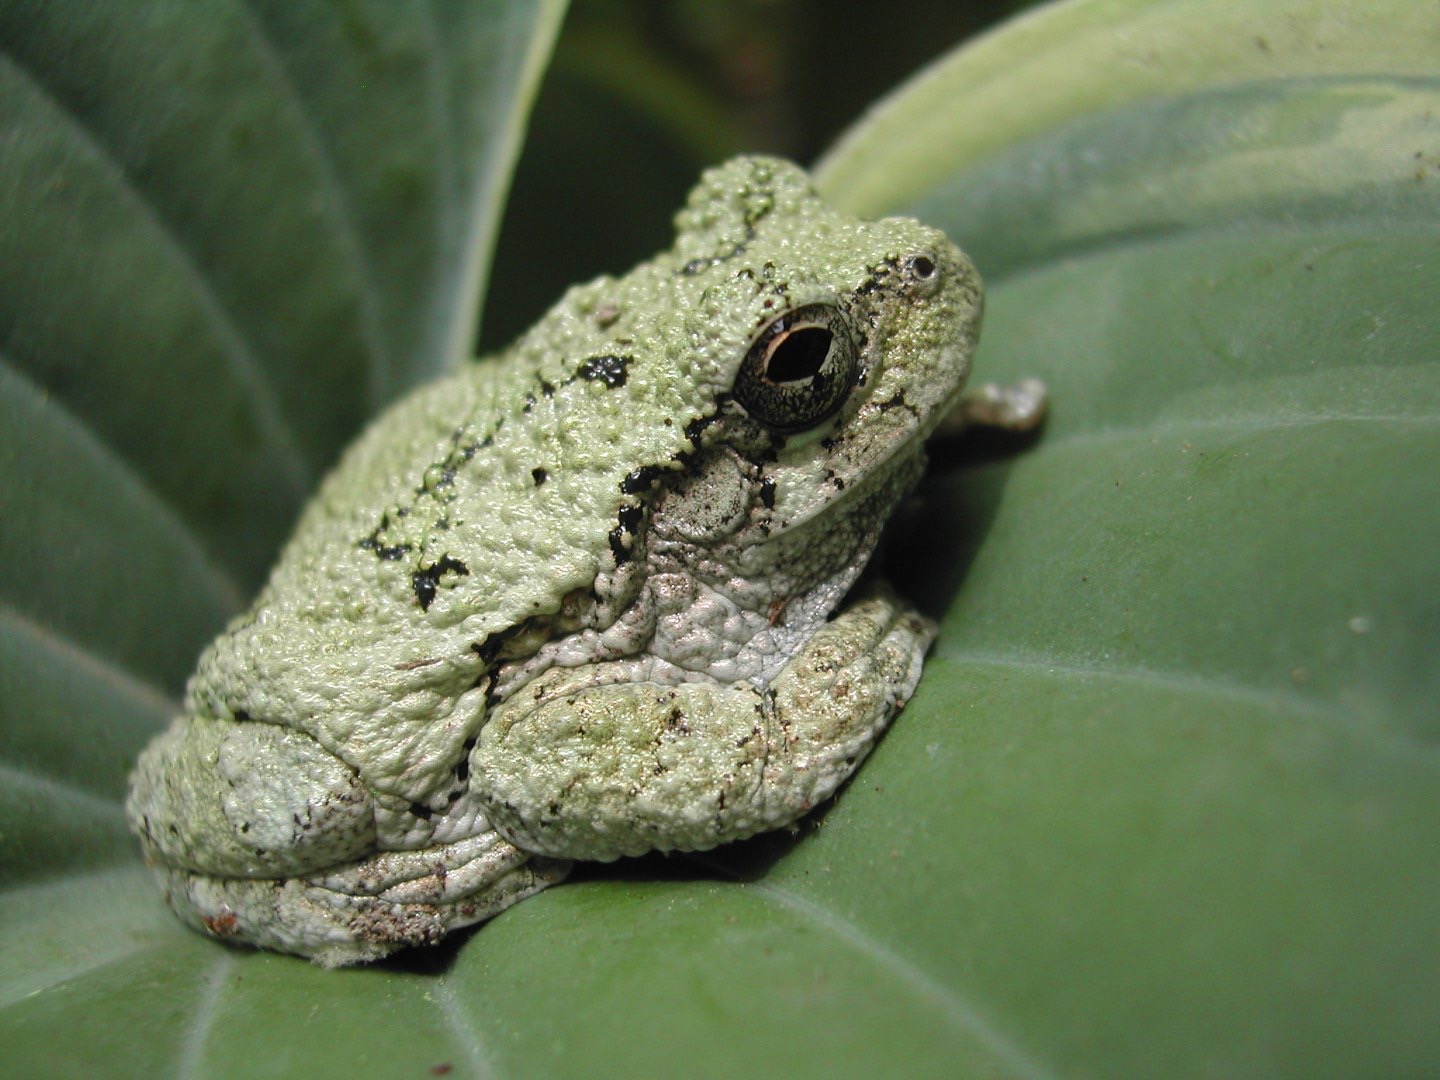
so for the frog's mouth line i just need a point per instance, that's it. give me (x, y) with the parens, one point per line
(883, 466)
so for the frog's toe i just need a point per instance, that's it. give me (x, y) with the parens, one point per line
(367, 909)
(247, 800)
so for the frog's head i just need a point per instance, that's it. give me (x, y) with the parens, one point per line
(837, 344)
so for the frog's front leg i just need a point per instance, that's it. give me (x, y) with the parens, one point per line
(1018, 407)
(586, 764)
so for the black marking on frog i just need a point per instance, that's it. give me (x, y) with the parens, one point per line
(610, 370)
(696, 428)
(754, 215)
(387, 552)
(767, 493)
(437, 483)
(897, 401)
(622, 536)
(493, 645)
(425, 580)
(880, 278)
(641, 479)
(445, 478)
(705, 262)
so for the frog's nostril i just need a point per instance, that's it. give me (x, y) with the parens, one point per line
(921, 271)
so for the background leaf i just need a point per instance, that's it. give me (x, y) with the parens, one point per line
(641, 96)
(290, 203)
(1166, 800)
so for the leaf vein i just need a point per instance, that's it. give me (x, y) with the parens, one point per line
(467, 1038)
(70, 656)
(155, 507)
(1268, 700)
(202, 1018)
(39, 787)
(55, 978)
(1239, 425)
(962, 1013)
(341, 211)
(251, 374)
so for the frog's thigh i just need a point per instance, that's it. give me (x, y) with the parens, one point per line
(582, 766)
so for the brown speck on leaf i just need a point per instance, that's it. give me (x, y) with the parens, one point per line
(411, 665)
(222, 924)
(441, 1068)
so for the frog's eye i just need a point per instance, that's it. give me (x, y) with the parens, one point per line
(799, 369)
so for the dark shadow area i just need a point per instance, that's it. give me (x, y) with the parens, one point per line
(932, 540)
(641, 96)
(740, 862)
(430, 960)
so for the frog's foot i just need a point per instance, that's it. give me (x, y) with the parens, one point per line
(1019, 407)
(367, 909)
(586, 764)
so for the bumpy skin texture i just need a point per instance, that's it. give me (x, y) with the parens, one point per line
(582, 599)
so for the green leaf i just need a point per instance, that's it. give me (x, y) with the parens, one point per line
(234, 229)
(1068, 61)
(1167, 800)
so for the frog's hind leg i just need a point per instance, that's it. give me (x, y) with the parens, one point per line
(260, 835)
(368, 909)
(585, 763)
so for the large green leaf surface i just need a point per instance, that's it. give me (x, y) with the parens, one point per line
(1192, 633)
(1167, 801)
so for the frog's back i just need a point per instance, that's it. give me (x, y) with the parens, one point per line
(481, 507)
(502, 506)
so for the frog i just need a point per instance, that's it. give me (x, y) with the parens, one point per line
(596, 596)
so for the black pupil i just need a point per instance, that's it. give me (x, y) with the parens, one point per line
(923, 267)
(799, 355)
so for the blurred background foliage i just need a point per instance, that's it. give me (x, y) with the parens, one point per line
(692, 82)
